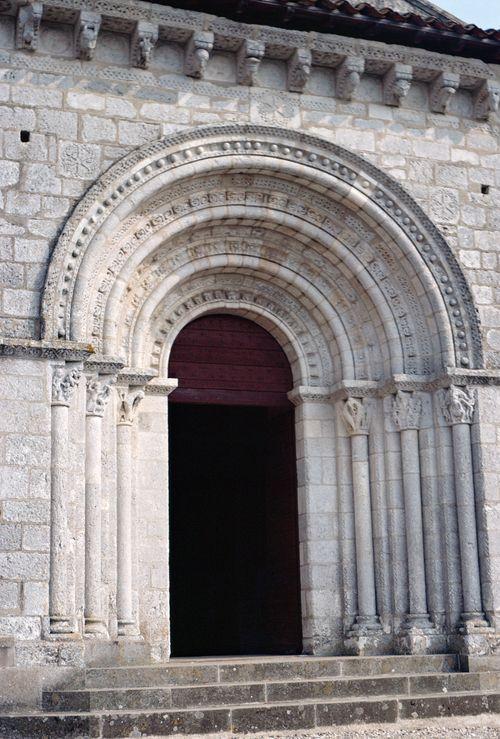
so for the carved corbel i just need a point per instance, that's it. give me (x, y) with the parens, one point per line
(349, 76)
(406, 410)
(356, 416)
(249, 57)
(86, 31)
(198, 51)
(28, 25)
(299, 69)
(144, 40)
(442, 90)
(486, 99)
(457, 405)
(396, 83)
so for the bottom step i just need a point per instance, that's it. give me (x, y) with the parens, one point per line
(247, 719)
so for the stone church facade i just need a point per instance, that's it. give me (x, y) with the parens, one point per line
(160, 165)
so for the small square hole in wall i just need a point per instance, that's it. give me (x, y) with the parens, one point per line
(485, 189)
(24, 136)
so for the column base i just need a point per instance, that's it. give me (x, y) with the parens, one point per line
(95, 628)
(416, 637)
(474, 634)
(420, 621)
(64, 628)
(129, 630)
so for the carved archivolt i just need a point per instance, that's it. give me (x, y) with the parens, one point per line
(332, 227)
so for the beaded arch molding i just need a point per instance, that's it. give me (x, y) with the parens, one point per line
(352, 175)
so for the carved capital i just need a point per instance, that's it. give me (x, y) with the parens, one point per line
(486, 99)
(356, 416)
(198, 51)
(128, 403)
(86, 31)
(248, 61)
(64, 381)
(442, 90)
(397, 83)
(457, 405)
(28, 25)
(406, 410)
(299, 69)
(144, 39)
(349, 76)
(98, 393)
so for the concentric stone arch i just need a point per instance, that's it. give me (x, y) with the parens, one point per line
(321, 171)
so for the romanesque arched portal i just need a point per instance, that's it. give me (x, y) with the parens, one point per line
(364, 296)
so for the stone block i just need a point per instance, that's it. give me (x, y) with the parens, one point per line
(151, 676)
(26, 511)
(166, 723)
(24, 566)
(11, 275)
(41, 178)
(134, 134)
(434, 706)
(96, 128)
(27, 727)
(272, 718)
(9, 173)
(119, 108)
(21, 627)
(10, 534)
(85, 100)
(23, 303)
(36, 537)
(357, 712)
(36, 97)
(33, 150)
(82, 161)
(61, 123)
(10, 592)
(35, 598)
(217, 695)
(20, 204)
(17, 118)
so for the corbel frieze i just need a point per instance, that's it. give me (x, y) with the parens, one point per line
(249, 57)
(144, 39)
(197, 53)
(299, 69)
(442, 90)
(348, 76)
(86, 32)
(28, 22)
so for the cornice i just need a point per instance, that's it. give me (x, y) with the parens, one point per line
(201, 34)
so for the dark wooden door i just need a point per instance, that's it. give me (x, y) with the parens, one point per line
(233, 495)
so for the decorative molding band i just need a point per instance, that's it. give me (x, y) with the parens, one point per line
(159, 386)
(201, 33)
(104, 365)
(304, 394)
(64, 350)
(132, 377)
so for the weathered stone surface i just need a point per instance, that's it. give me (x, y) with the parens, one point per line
(272, 718)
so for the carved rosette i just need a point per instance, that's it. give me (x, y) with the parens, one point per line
(98, 393)
(64, 382)
(356, 416)
(86, 32)
(457, 405)
(29, 17)
(406, 410)
(299, 69)
(249, 57)
(128, 403)
(198, 51)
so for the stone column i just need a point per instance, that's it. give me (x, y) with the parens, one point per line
(407, 409)
(355, 414)
(128, 403)
(457, 405)
(61, 616)
(98, 393)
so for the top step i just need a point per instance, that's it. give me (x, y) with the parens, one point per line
(246, 670)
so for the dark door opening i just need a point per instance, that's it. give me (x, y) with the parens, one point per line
(234, 561)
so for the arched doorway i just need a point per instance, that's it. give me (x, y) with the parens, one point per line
(234, 563)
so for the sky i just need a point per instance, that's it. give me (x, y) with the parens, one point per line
(484, 13)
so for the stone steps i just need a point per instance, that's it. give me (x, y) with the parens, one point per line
(248, 718)
(257, 695)
(99, 699)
